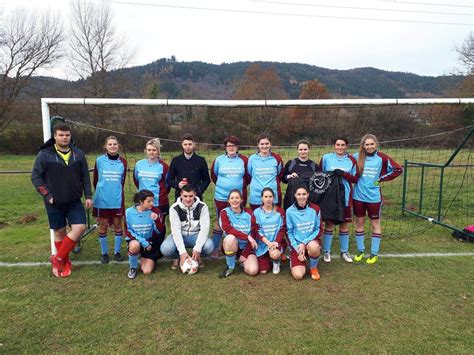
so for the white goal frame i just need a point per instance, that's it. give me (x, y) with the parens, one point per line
(45, 102)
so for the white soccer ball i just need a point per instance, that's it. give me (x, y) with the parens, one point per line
(190, 267)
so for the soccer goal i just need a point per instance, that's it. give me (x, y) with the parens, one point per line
(412, 131)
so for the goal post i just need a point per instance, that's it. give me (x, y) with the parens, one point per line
(331, 112)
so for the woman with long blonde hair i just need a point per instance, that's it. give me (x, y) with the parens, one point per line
(150, 174)
(374, 167)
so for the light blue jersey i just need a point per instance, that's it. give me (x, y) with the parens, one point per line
(303, 225)
(237, 224)
(346, 163)
(264, 172)
(140, 225)
(152, 176)
(377, 168)
(269, 225)
(228, 174)
(109, 177)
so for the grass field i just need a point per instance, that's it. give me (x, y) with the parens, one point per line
(401, 305)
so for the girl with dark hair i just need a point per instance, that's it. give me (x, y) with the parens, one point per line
(269, 228)
(303, 224)
(228, 172)
(265, 169)
(145, 230)
(110, 171)
(297, 170)
(374, 167)
(238, 242)
(344, 164)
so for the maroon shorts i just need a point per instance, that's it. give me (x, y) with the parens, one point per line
(264, 262)
(220, 205)
(248, 250)
(109, 213)
(347, 215)
(294, 256)
(373, 210)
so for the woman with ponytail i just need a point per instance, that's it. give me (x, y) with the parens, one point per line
(374, 167)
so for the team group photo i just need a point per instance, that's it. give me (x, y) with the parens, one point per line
(233, 177)
(256, 234)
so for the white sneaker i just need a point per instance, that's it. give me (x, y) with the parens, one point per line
(346, 257)
(327, 257)
(276, 268)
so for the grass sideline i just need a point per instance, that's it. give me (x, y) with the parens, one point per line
(397, 306)
(415, 305)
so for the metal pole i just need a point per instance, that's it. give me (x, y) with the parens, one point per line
(434, 221)
(459, 147)
(253, 103)
(405, 174)
(46, 136)
(421, 188)
(440, 198)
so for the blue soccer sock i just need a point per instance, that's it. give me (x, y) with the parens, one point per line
(360, 241)
(313, 262)
(327, 241)
(104, 243)
(344, 241)
(118, 242)
(216, 238)
(376, 239)
(230, 259)
(133, 260)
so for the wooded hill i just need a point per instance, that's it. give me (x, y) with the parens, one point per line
(168, 78)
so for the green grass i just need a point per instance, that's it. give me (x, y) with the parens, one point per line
(398, 306)
(409, 305)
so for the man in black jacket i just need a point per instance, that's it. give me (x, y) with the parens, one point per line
(61, 176)
(188, 168)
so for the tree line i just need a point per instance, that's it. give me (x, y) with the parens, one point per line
(98, 55)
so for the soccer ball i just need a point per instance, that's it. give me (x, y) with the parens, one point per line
(189, 267)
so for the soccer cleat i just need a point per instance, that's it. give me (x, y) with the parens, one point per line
(372, 259)
(215, 254)
(104, 259)
(327, 257)
(118, 257)
(315, 274)
(346, 257)
(67, 269)
(276, 268)
(359, 256)
(132, 273)
(226, 273)
(201, 264)
(175, 264)
(57, 265)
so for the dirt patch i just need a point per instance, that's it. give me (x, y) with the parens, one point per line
(3, 225)
(28, 218)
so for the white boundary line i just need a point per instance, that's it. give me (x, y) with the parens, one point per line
(97, 262)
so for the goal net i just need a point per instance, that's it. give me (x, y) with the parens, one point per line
(411, 131)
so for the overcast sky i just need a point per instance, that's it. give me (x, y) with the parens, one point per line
(415, 36)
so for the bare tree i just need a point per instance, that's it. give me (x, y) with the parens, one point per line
(95, 46)
(28, 43)
(466, 54)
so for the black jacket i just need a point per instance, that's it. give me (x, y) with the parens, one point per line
(304, 169)
(53, 178)
(194, 169)
(326, 190)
